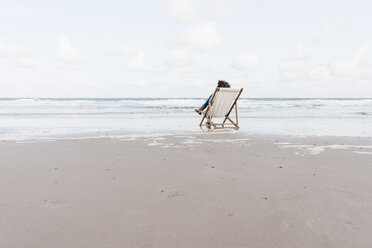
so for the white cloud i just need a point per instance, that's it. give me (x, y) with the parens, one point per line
(203, 36)
(182, 58)
(199, 83)
(245, 62)
(189, 10)
(24, 10)
(363, 55)
(344, 69)
(125, 51)
(9, 50)
(358, 67)
(330, 28)
(302, 52)
(137, 83)
(334, 26)
(66, 50)
(20, 9)
(139, 63)
(180, 10)
(303, 71)
(299, 69)
(136, 59)
(28, 62)
(23, 55)
(3, 13)
(220, 7)
(292, 70)
(319, 74)
(352, 70)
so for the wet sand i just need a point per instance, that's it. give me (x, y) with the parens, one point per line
(207, 190)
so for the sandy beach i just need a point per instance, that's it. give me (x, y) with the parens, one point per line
(206, 190)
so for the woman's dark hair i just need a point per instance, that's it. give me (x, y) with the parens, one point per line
(223, 84)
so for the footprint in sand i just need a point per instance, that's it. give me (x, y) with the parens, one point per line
(55, 203)
(349, 197)
(176, 194)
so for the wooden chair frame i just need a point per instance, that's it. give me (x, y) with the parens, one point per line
(231, 124)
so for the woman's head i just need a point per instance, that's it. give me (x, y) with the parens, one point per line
(223, 84)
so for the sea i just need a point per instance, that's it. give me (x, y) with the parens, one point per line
(57, 118)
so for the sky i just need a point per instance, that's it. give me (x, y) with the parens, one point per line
(181, 48)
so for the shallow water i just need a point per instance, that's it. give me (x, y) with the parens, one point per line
(25, 118)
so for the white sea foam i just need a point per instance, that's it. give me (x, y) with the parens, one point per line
(314, 150)
(359, 152)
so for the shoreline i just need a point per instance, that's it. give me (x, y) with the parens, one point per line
(353, 139)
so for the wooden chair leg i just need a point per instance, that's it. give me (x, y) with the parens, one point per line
(201, 123)
(224, 120)
(210, 123)
(236, 125)
(204, 115)
(236, 114)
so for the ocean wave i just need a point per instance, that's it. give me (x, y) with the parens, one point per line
(49, 105)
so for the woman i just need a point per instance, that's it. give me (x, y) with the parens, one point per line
(220, 84)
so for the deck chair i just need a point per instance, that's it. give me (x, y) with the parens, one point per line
(221, 104)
